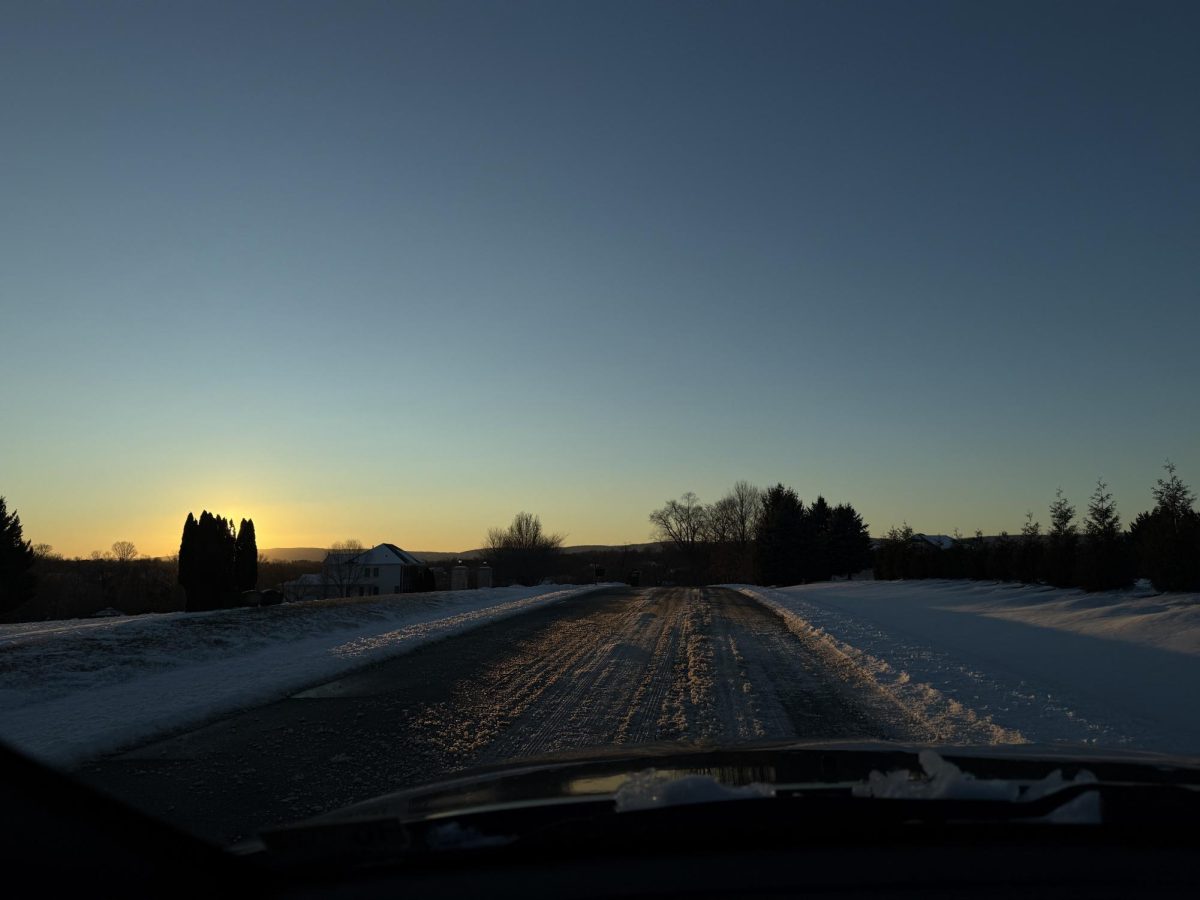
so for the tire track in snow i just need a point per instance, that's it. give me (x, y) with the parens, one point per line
(640, 722)
(699, 666)
(916, 710)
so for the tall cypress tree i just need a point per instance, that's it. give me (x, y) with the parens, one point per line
(208, 559)
(246, 557)
(225, 557)
(188, 563)
(206, 562)
(206, 532)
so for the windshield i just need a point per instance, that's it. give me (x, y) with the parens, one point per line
(399, 390)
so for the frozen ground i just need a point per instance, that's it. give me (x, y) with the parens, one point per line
(1023, 663)
(77, 688)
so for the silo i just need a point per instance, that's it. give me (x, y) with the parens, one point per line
(483, 576)
(458, 578)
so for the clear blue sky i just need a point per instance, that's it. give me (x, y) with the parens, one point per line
(396, 271)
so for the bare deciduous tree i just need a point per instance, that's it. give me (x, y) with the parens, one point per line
(522, 552)
(124, 551)
(746, 501)
(525, 533)
(715, 522)
(730, 528)
(682, 522)
(341, 568)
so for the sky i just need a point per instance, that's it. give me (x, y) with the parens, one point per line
(396, 271)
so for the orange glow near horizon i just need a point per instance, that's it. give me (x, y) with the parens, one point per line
(277, 527)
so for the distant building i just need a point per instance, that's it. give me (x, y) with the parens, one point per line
(384, 569)
(921, 542)
(306, 587)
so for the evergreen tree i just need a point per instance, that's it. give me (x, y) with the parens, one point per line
(224, 555)
(814, 551)
(206, 562)
(16, 561)
(1167, 539)
(1001, 558)
(1172, 497)
(1104, 562)
(950, 562)
(1027, 565)
(849, 541)
(1061, 543)
(245, 562)
(893, 557)
(187, 558)
(779, 537)
(977, 557)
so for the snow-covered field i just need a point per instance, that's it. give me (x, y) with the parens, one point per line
(74, 689)
(1012, 663)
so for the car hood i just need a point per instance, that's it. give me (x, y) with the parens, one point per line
(597, 775)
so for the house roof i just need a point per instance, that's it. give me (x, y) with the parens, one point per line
(379, 555)
(387, 555)
(403, 555)
(941, 541)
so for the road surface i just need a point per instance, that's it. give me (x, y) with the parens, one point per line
(622, 667)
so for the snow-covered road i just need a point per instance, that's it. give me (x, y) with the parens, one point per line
(681, 664)
(616, 668)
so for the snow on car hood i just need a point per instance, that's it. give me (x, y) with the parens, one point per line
(641, 778)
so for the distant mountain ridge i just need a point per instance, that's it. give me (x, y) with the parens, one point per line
(316, 554)
(293, 554)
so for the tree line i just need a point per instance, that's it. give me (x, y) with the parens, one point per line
(749, 535)
(1161, 544)
(771, 536)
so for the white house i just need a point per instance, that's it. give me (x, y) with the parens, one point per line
(384, 569)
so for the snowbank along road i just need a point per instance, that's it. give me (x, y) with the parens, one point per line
(622, 667)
